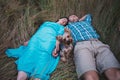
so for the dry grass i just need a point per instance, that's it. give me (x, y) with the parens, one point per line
(19, 19)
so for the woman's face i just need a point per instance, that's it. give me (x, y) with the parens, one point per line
(63, 21)
(73, 18)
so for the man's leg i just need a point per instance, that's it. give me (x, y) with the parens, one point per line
(112, 74)
(21, 75)
(85, 62)
(107, 63)
(91, 75)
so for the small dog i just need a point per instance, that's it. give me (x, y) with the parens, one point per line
(65, 44)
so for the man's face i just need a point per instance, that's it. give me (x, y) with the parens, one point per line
(73, 18)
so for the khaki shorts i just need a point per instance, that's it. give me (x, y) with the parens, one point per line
(93, 55)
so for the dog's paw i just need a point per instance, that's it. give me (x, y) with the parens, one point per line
(67, 30)
(59, 38)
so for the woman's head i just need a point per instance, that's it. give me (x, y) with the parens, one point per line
(63, 21)
(73, 18)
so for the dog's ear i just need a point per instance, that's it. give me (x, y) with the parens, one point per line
(67, 30)
(71, 40)
(59, 38)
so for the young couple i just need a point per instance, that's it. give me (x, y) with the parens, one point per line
(91, 56)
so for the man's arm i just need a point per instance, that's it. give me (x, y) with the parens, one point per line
(86, 18)
(81, 19)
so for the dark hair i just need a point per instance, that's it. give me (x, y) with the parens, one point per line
(67, 20)
(64, 17)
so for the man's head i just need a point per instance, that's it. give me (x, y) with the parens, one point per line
(73, 18)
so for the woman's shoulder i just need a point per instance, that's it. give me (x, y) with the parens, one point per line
(52, 23)
(49, 22)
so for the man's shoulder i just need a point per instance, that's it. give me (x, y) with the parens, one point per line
(74, 23)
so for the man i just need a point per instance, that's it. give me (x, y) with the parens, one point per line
(91, 56)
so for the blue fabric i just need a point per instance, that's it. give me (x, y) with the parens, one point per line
(36, 58)
(82, 30)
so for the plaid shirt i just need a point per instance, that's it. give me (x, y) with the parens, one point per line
(82, 30)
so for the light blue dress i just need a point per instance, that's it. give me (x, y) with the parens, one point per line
(36, 58)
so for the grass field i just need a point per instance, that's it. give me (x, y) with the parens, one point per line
(19, 19)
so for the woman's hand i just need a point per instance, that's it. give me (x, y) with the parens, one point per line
(56, 50)
(54, 53)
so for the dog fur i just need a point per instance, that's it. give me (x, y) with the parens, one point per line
(65, 45)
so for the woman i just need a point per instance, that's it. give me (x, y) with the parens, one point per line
(36, 59)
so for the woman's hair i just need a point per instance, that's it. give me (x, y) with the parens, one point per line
(64, 17)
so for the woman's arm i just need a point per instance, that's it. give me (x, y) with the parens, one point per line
(55, 51)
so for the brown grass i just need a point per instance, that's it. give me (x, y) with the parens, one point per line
(19, 19)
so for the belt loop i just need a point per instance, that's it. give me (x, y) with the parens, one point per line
(93, 39)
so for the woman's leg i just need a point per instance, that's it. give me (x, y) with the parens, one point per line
(37, 79)
(22, 75)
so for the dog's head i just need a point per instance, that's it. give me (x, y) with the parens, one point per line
(67, 39)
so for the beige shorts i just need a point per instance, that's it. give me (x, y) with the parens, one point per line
(93, 55)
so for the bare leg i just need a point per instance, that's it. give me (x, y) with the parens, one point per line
(91, 75)
(36, 79)
(21, 75)
(113, 74)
